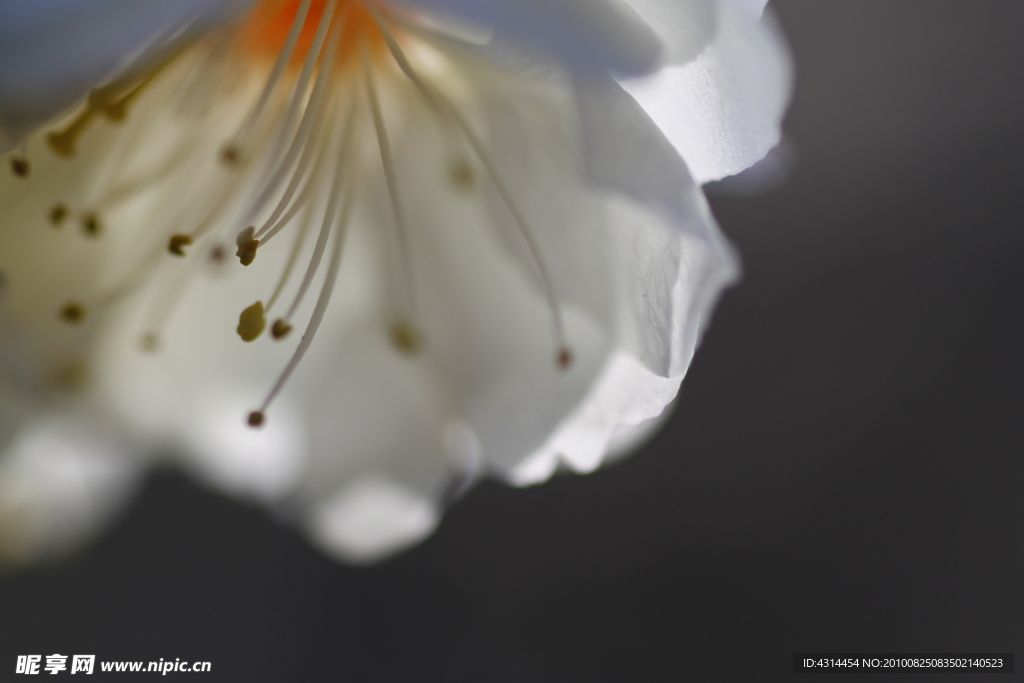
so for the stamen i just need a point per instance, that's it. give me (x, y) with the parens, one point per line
(247, 246)
(256, 418)
(57, 214)
(442, 104)
(299, 91)
(72, 312)
(65, 143)
(309, 186)
(405, 337)
(252, 322)
(105, 101)
(20, 165)
(233, 150)
(388, 163)
(91, 225)
(281, 329)
(311, 119)
(462, 175)
(176, 245)
(321, 242)
(289, 266)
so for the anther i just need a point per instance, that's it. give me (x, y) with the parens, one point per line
(565, 358)
(405, 338)
(247, 245)
(280, 329)
(57, 214)
(256, 418)
(73, 377)
(72, 312)
(217, 254)
(91, 225)
(461, 175)
(231, 155)
(176, 245)
(64, 143)
(252, 322)
(150, 342)
(20, 167)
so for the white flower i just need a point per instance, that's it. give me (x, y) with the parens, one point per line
(505, 262)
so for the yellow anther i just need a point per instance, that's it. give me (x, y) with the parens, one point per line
(256, 418)
(58, 213)
(102, 101)
(176, 245)
(20, 167)
(405, 338)
(91, 225)
(462, 175)
(280, 329)
(65, 143)
(252, 322)
(565, 358)
(247, 245)
(72, 312)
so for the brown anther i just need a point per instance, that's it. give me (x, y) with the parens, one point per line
(405, 338)
(91, 225)
(20, 167)
(101, 101)
(251, 322)
(462, 175)
(62, 144)
(176, 245)
(72, 312)
(72, 377)
(247, 246)
(256, 418)
(280, 329)
(57, 214)
(565, 358)
(217, 253)
(231, 155)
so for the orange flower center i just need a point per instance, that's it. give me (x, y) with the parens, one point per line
(265, 31)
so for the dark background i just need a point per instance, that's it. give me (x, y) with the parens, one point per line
(843, 471)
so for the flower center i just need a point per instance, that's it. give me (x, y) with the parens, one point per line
(267, 29)
(291, 165)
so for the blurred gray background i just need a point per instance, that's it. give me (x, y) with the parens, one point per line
(844, 471)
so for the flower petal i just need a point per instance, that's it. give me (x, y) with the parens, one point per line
(60, 482)
(592, 34)
(723, 110)
(53, 51)
(685, 27)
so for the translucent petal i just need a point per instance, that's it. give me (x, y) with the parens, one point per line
(61, 481)
(685, 27)
(590, 34)
(53, 51)
(723, 111)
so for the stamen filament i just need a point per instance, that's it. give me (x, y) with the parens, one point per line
(311, 121)
(388, 164)
(293, 257)
(321, 242)
(256, 418)
(283, 57)
(441, 103)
